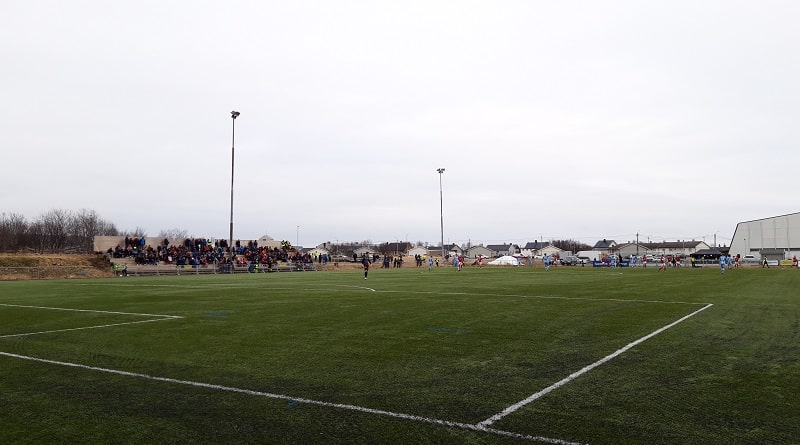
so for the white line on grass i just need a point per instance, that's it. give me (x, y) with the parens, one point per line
(621, 300)
(467, 426)
(173, 286)
(586, 369)
(546, 297)
(90, 310)
(357, 287)
(83, 328)
(160, 318)
(481, 426)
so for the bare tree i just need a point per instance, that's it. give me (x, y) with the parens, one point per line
(571, 245)
(54, 231)
(55, 226)
(35, 236)
(106, 228)
(84, 226)
(174, 233)
(138, 232)
(385, 249)
(13, 228)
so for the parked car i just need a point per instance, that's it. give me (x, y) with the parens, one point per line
(570, 261)
(750, 259)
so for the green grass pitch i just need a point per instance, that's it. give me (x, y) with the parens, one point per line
(511, 355)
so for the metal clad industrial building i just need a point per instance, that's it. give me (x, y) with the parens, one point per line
(776, 238)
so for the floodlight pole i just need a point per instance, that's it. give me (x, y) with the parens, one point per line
(441, 208)
(234, 115)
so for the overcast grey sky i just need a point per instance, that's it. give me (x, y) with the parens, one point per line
(573, 119)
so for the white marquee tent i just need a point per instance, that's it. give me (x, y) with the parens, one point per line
(505, 260)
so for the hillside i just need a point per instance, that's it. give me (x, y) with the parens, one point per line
(53, 266)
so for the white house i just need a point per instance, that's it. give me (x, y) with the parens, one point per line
(552, 251)
(533, 249)
(361, 251)
(475, 251)
(499, 250)
(419, 250)
(630, 249)
(316, 252)
(683, 248)
(449, 249)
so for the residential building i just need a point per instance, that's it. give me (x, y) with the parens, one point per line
(684, 248)
(419, 250)
(499, 250)
(475, 251)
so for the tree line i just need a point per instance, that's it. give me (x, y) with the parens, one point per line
(55, 231)
(65, 231)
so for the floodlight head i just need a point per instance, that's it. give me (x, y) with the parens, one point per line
(235, 114)
(440, 170)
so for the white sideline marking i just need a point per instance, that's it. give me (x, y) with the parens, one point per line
(160, 318)
(586, 369)
(473, 427)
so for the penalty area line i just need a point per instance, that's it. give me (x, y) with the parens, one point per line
(411, 417)
(586, 369)
(89, 310)
(161, 318)
(84, 328)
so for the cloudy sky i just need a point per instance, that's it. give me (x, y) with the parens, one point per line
(574, 119)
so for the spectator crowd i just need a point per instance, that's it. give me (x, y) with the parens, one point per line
(202, 252)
